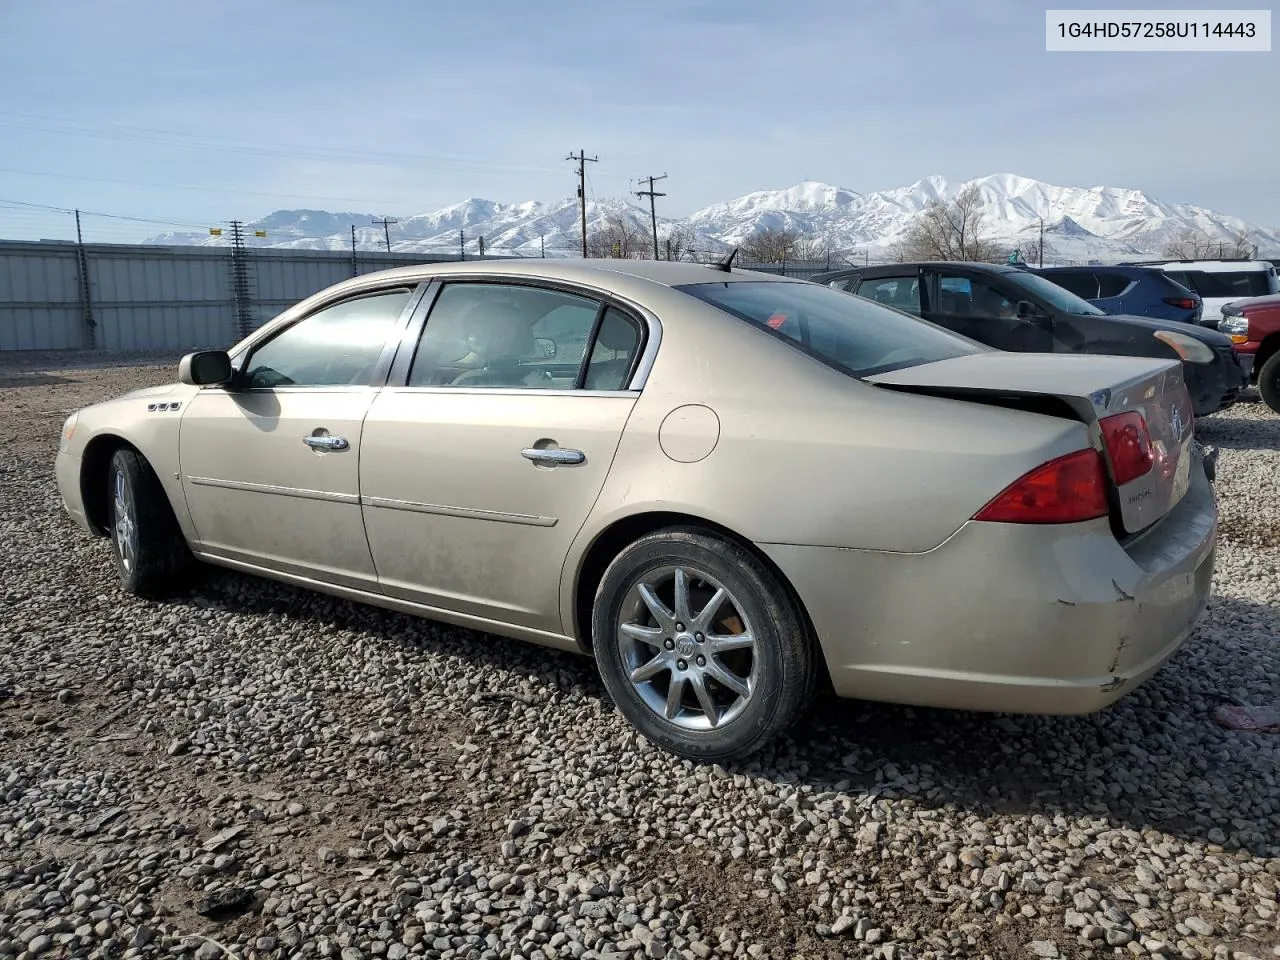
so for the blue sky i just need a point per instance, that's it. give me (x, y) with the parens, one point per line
(201, 112)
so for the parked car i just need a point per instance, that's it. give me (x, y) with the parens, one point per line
(1140, 291)
(1254, 326)
(719, 483)
(1011, 308)
(1218, 282)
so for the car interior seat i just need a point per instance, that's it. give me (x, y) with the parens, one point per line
(621, 337)
(501, 339)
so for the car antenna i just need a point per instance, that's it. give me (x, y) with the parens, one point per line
(727, 261)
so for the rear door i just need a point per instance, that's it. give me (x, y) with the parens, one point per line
(485, 453)
(983, 309)
(269, 463)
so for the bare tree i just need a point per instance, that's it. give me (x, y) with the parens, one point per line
(619, 237)
(954, 230)
(811, 248)
(1193, 245)
(771, 245)
(1190, 244)
(675, 242)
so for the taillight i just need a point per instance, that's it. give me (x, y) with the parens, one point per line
(1069, 489)
(1128, 446)
(1182, 303)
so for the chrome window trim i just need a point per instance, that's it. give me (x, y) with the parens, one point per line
(653, 325)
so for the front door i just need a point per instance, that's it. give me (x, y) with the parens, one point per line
(270, 462)
(983, 309)
(481, 466)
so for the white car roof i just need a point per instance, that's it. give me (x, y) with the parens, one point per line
(1215, 266)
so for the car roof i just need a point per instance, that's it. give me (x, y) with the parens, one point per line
(1207, 266)
(606, 272)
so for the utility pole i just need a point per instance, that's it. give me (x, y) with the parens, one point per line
(542, 242)
(355, 270)
(462, 245)
(583, 160)
(1042, 241)
(386, 232)
(482, 246)
(241, 282)
(653, 213)
(86, 300)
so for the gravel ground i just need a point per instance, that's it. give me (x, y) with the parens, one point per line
(254, 770)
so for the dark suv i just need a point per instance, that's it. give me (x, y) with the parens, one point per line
(1141, 291)
(1011, 308)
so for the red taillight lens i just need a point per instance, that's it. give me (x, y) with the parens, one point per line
(1182, 303)
(1128, 446)
(1066, 490)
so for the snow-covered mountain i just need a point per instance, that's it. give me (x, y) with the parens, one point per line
(1080, 223)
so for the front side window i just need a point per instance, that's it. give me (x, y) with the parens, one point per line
(960, 296)
(337, 346)
(522, 337)
(1062, 300)
(902, 292)
(852, 334)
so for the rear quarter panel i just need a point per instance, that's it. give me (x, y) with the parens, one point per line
(786, 450)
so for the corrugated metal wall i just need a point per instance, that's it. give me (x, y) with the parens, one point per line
(154, 298)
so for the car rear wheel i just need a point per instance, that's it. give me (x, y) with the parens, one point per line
(1269, 382)
(700, 646)
(151, 554)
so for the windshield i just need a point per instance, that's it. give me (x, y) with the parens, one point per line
(850, 333)
(1058, 297)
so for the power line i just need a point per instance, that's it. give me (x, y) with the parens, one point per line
(189, 140)
(653, 213)
(110, 216)
(583, 160)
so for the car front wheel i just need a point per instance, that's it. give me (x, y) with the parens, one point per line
(1269, 382)
(700, 646)
(150, 552)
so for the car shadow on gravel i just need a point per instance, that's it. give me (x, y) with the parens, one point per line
(1154, 760)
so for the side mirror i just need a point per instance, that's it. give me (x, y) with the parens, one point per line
(546, 347)
(1029, 312)
(205, 367)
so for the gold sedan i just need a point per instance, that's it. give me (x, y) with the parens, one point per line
(726, 486)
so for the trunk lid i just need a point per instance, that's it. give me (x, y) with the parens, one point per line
(1085, 388)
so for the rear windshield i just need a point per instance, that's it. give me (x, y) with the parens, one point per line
(1242, 283)
(850, 333)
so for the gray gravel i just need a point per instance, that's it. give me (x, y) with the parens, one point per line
(254, 770)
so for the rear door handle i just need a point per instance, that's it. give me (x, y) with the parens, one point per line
(553, 455)
(326, 443)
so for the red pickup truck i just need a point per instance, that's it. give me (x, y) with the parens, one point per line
(1253, 325)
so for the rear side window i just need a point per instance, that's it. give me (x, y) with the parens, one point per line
(852, 334)
(1080, 282)
(1112, 285)
(1236, 283)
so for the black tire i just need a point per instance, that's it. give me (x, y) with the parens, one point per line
(784, 661)
(157, 560)
(1269, 382)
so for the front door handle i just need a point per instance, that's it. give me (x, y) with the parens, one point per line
(553, 455)
(326, 443)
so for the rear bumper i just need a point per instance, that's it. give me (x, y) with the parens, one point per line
(1008, 617)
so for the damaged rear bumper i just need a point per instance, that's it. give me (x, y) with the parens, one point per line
(1051, 619)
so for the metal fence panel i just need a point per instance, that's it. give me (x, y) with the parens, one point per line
(40, 300)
